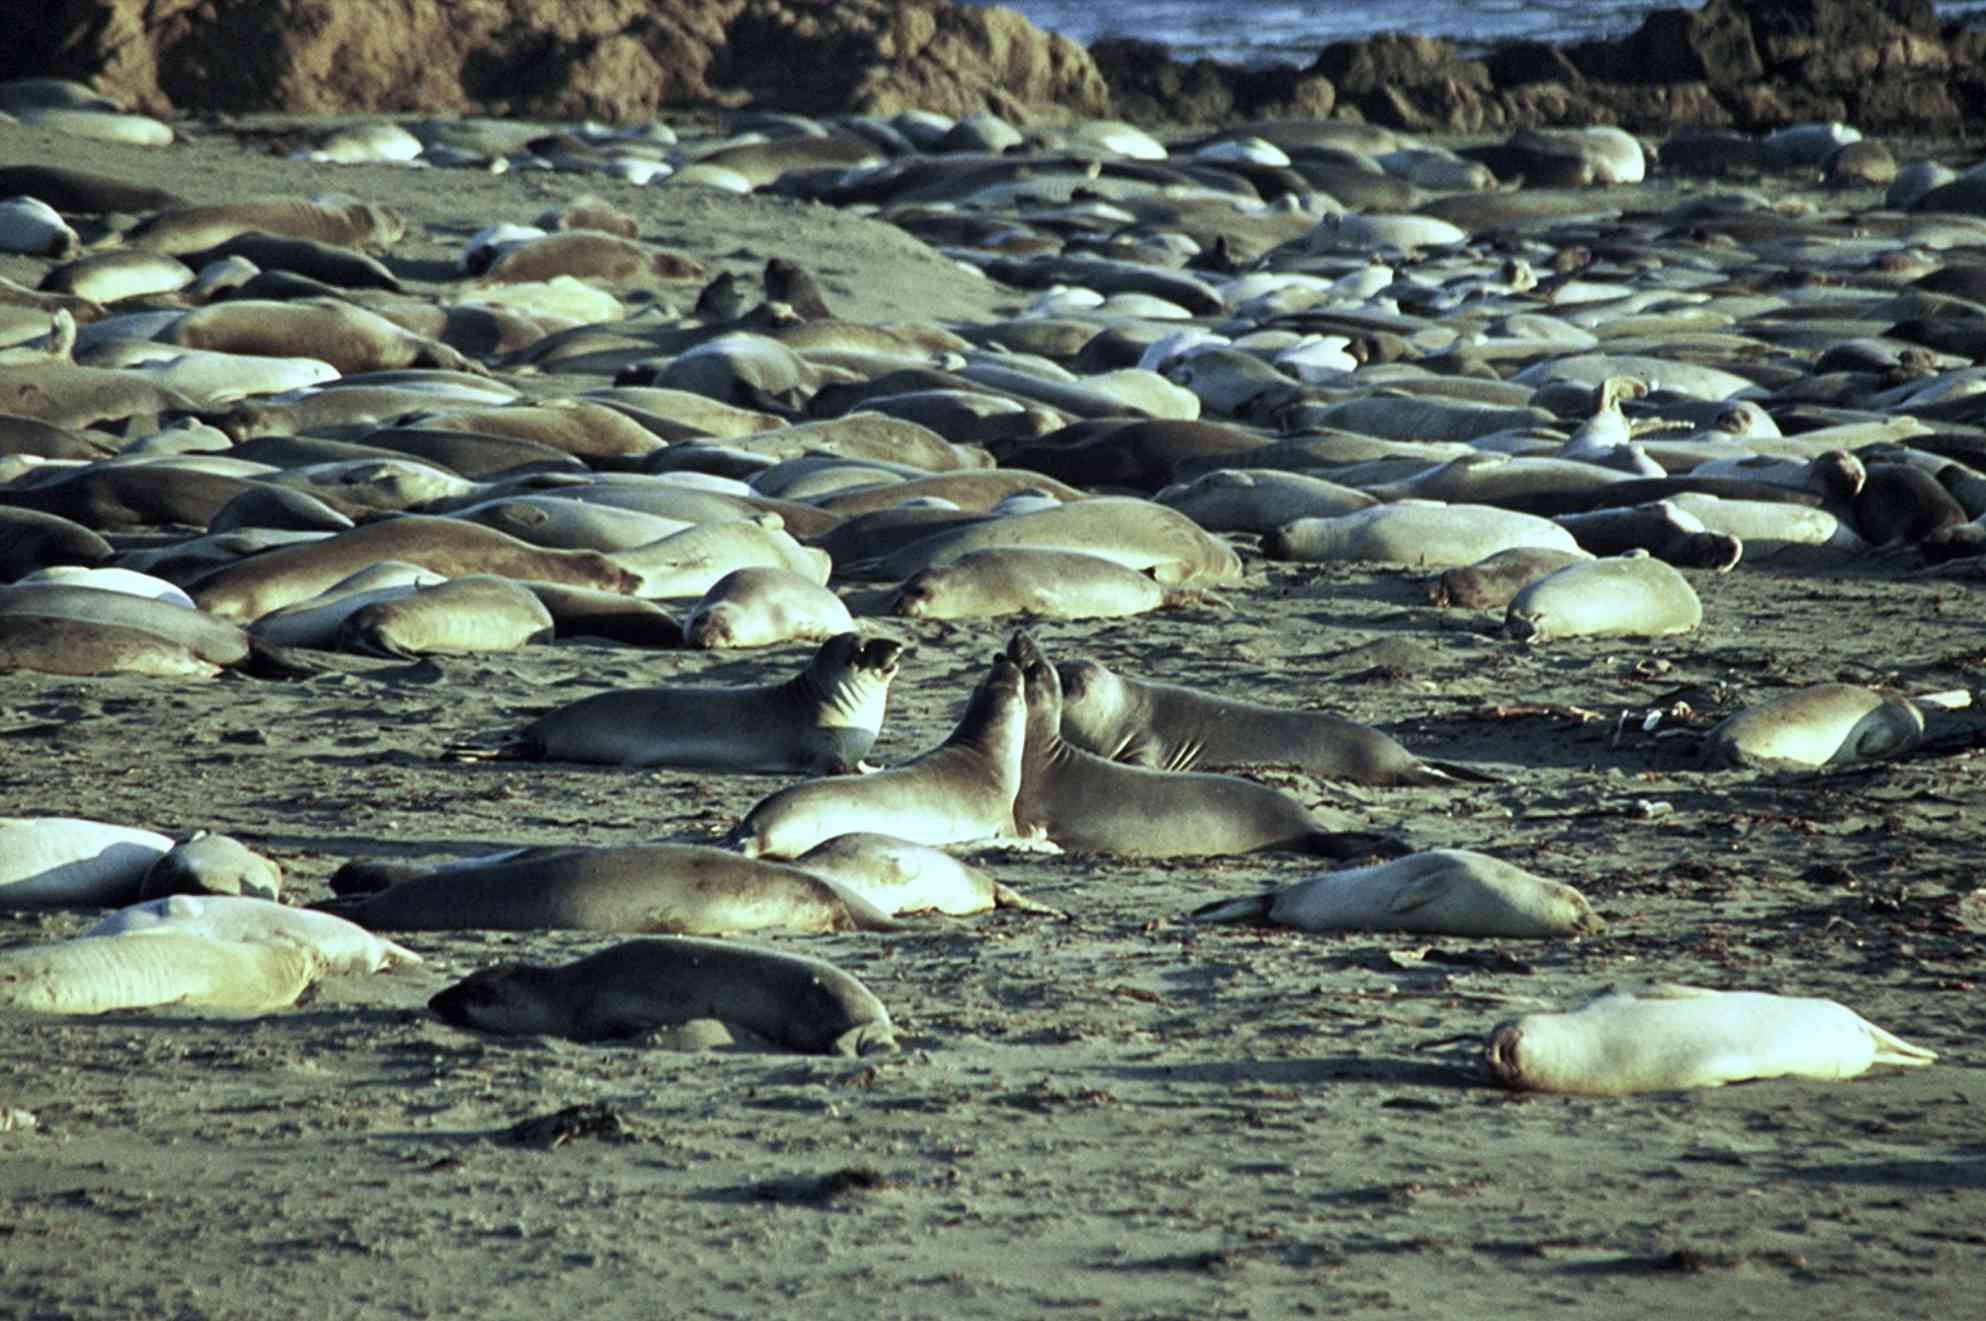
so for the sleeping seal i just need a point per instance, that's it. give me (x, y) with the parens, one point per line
(140, 971)
(1668, 1037)
(1633, 595)
(689, 889)
(1445, 892)
(635, 987)
(1824, 724)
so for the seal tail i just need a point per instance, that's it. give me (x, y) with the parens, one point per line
(1892, 1049)
(363, 877)
(1247, 908)
(1006, 898)
(514, 750)
(272, 660)
(1449, 772)
(1353, 845)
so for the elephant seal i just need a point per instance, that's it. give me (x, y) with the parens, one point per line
(1086, 803)
(762, 606)
(1026, 580)
(1668, 1037)
(631, 989)
(587, 612)
(1414, 532)
(824, 720)
(1167, 727)
(252, 588)
(32, 540)
(900, 877)
(480, 612)
(687, 889)
(961, 790)
(199, 638)
(156, 968)
(344, 947)
(315, 622)
(206, 863)
(66, 860)
(1825, 724)
(350, 338)
(1665, 530)
(196, 228)
(1135, 533)
(1443, 892)
(1626, 596)
(1490, 582)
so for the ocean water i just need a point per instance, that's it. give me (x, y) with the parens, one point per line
(1269, 32)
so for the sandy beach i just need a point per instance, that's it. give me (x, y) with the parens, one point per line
(1121, 1115)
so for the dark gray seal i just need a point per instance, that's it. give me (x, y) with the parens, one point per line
(634, 988)
(1170, 728)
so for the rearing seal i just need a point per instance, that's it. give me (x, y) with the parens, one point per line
(961, 790)
(1085, 803)
(823, 720)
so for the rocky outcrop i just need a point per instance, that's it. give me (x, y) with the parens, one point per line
(1884, 65)
(1150, 87)
(607, 59)
(1880, 64)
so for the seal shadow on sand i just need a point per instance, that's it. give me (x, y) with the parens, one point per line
(1297, 1073)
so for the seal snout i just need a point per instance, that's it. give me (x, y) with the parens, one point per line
(1500, 1054)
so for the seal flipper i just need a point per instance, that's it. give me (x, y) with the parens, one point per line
(865, 1039)
(1004, 897)
(1247, 908)
(1348, 845)
(1448, 772)
(271, 660)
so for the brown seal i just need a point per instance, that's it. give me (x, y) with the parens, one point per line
(450, 547)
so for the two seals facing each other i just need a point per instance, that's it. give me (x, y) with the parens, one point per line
(1086, 803)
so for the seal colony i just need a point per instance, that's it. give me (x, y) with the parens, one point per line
(865, 444)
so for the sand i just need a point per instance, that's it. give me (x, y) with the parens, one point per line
(1122, 1115)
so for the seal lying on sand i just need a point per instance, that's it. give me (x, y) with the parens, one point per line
(1449, 892)
(1631, 595)
(1085, 803)
(1824, 724)
(61, 860)
(156, 968)
(344, 947)
(1668, 1037)
(636, 987)
(1172, 728)
(823, 720)
(673, 888)
(900, 877)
